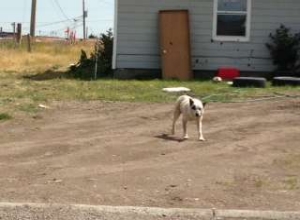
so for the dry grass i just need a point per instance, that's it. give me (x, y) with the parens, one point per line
(48, 59)
(44, 56)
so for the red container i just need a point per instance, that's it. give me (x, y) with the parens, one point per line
(228, 73)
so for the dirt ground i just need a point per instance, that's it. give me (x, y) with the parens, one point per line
(107, 153)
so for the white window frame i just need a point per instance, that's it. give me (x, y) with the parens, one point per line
(232, 38)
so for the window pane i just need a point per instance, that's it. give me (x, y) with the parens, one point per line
(231, 25)
(232, 5)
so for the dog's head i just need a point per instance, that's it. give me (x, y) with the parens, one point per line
(197, 107)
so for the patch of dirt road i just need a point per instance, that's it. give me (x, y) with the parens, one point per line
(108, 153)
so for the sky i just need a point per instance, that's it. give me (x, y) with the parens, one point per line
(54, 17)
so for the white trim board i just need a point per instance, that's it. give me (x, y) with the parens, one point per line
(115, 35)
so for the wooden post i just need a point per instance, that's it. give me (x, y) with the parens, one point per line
(33, 18)
(14, 31)
(29, 43)
(19, 33)
(84, 15)
(96, 67)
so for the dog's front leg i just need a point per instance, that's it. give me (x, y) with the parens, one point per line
(184, 125)
(199, 126)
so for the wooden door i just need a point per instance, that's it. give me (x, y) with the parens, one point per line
(175, 44)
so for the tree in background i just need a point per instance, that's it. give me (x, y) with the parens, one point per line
(99, 60)
(284, 49)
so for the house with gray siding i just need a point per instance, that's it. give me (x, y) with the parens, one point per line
(223, 33)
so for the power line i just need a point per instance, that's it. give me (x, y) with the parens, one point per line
(63, 29)
(61, 10)
(47, 22)
(55, 8)
(103, 1)
(75, 19)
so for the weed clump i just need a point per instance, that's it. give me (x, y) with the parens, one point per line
(5, 117)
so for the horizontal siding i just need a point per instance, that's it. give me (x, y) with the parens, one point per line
(139, 61)
(138, 34)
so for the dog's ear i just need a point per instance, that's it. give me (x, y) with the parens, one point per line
(191, 102)
(204, 104)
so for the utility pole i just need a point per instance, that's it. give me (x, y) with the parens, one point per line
(33, 18)
(14, 30)
(84, 15)
(19, 33)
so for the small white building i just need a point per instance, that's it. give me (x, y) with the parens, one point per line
(220, 33)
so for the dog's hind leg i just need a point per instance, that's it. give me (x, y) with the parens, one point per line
(175, 117)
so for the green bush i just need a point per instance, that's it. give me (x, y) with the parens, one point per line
(284, 49)
(4, 116)
(102, 55)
